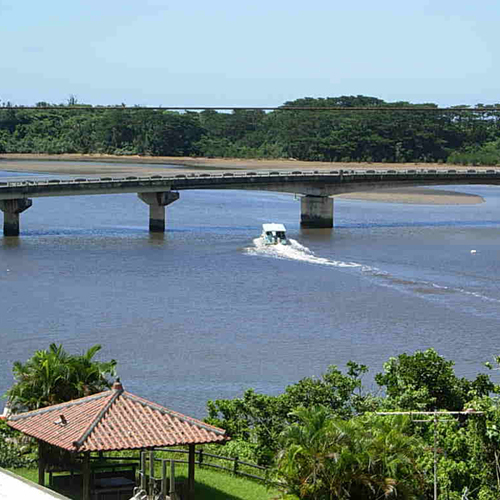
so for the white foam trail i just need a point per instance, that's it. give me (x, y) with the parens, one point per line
(477, 295)
(294, 251)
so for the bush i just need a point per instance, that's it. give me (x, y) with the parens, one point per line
(14, 448)
(487, 154)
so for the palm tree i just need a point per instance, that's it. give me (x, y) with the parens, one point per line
(53, 376)
(89, 376)
(363, 458)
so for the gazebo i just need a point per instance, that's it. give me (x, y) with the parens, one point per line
(112, 420)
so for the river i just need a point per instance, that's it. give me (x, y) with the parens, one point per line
(204, 311)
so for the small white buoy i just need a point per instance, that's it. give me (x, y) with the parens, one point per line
(473, 251)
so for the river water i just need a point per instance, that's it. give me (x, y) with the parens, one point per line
(205, 311)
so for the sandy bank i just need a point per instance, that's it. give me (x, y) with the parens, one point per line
(76, 164)
(416, 196)
(217, 163)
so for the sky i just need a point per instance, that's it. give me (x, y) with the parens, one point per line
(253, 53)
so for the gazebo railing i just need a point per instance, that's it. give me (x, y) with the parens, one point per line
(205, 459)
(235, 468)
(149, 482)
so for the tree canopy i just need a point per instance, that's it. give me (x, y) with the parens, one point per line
(363, 458)
(325, 440)
(384, 135)
(425, 380)
(54, 376)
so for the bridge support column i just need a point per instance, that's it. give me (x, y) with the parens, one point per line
(316, 211)
(157, 203)
(11, 210)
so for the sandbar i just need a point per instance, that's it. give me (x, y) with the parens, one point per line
(97, 164)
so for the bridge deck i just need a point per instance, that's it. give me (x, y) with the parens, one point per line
(316, 182)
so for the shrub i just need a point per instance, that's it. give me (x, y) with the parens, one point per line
(14, 448)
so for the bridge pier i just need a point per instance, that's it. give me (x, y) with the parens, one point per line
(157, 203)
(11, 210)
(316, 211)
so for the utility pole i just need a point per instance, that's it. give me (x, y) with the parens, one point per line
(435, 420)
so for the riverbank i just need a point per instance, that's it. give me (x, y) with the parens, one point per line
(416, 196)
(219, 163)
(77, 164)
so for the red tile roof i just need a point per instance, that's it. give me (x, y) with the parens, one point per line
(113, 420)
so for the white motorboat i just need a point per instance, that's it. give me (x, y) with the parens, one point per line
(274, 234)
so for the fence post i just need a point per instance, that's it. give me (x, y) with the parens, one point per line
(143, 471)
(235, 470)
(172, 479)
(200, 457)
(151, 473)
(191, 462)
(164, 477)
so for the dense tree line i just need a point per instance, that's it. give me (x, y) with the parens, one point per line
(384, 135)
(327, 437)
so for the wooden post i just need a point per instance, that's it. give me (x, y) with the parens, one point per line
(172, 480)
(143, 471)
(191, 471)
(86, 476)
(164, 478)
(151, 473)
(41, 463)
(235, 469)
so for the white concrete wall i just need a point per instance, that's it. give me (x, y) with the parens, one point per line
(13, 487)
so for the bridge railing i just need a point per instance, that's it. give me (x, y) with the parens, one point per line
(471, 172)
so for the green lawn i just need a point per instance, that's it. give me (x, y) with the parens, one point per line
(210, 485)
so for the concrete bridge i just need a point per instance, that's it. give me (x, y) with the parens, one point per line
(316, 188)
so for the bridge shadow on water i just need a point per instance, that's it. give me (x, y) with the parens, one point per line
(112, 231)
(316, 234)
(122, 232)
(10, 241)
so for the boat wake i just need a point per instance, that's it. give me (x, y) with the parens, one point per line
(294, 251)
(297, 252)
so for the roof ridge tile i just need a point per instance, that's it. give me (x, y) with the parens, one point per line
(115, 420)
(59, 406)
(114, 396)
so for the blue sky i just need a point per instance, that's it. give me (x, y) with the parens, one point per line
(258, 53)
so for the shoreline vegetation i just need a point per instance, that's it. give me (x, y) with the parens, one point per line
(323, 437)
(96, 164)
(331, 129)
(344, 132)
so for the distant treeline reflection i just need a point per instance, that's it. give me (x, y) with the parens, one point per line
(461, 136)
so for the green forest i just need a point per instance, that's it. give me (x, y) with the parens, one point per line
(419, 133)
(328, 437)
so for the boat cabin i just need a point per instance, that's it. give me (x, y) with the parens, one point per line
(274, 234)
